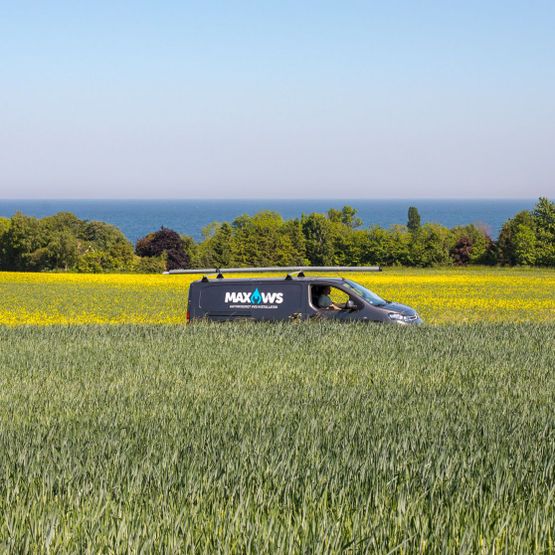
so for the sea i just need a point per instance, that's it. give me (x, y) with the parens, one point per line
(136, 218)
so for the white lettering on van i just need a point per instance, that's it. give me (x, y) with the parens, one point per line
(244, 297)
(272, 298)
(237, 297)
(231, 297)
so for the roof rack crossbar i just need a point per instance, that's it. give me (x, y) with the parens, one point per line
(276, 269)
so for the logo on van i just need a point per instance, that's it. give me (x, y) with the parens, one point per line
(254, 297)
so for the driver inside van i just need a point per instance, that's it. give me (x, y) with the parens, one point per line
(324, 299)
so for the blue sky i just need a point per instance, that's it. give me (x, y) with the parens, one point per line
(277, 99)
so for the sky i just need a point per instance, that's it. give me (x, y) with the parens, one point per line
(277, 99)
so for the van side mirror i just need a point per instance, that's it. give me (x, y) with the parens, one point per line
(350, 305)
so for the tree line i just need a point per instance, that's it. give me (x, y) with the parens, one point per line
(63, 242)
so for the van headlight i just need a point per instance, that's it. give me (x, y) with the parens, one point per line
(405, 318)
(396, 316)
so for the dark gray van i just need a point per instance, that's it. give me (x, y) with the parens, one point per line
(292, 297)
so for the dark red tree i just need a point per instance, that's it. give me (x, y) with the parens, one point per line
(461, 251)
(165, 241)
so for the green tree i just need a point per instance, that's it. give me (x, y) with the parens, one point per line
(346, 216)
(506, 253)
(378, 246)
(525, 245)
(216, 250)
(544, 218)
(318, 233)
(191, 250)
(113, 250)
(4, 227)
(60, 241)
(343, 245)
(388, 247)
(296, 255)
(544, 214)
(413, 223)
(61, 252)
(23, 237)
(265, 239)
(351, 249)
(400, 245)
(431, 245)
(256, 238)
(62, 222)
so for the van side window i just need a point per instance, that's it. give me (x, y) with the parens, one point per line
(325, 297)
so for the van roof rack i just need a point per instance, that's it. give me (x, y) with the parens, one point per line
(289, 270)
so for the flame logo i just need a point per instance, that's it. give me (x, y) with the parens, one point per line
(256, 297)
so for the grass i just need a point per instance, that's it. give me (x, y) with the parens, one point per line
(315, 438)
(441, 296)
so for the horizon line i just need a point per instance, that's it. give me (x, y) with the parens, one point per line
(260, 199)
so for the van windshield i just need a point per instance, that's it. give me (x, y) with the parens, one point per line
(366, 294)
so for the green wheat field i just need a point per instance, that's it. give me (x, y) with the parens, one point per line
(290, 438)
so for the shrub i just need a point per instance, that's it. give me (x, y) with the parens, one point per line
(151, 264)
(431, 245)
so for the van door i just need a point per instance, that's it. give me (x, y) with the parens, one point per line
(333, 303)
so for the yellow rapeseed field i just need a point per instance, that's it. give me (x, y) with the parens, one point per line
(446, 295)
